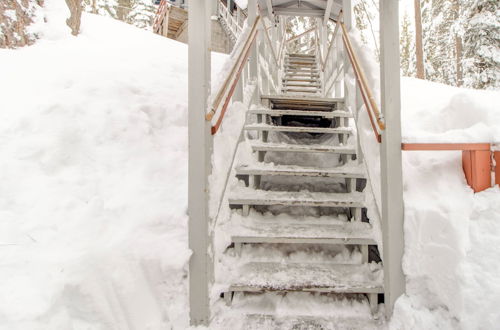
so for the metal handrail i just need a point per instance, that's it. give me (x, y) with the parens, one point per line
(228, 87)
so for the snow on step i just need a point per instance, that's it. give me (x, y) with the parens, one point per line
(259, 322)
(308, 277)
(260, 168)
(298, 129)
(324, 114)
(258, 229)
(248, 196)
(312, 148)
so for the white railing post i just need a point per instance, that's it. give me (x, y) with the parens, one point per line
(390, 155)
(347, 19)
(252, 15)
(200, 151)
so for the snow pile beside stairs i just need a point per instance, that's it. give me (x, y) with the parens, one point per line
(452, 236)
(93, 172)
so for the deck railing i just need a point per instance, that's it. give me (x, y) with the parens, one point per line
(231, 22)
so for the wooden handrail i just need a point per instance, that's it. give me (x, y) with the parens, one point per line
(160, 15)
(366, 93)
(228, 88)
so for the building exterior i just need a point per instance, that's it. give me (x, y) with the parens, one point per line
(172, 22)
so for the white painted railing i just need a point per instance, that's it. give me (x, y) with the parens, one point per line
(232, 23)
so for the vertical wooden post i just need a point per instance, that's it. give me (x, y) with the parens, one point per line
(390, 155)
(477, 169)
(497, 167)
(200, 150)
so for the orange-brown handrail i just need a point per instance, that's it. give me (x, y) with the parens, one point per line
(228, 87)
(160, 15)
(366, 93)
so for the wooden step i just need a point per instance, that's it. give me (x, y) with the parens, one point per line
(308, 277)
(291, 90)
(301, 55)
(312, 148)
(242, 196)
(251, 230)
(298, 129)
(301, 80)
(301, 76)
(346, 171)
(292, 84)
(300, 61)
(295, 69)
(305, 113)
(307, 100)
(306, 322)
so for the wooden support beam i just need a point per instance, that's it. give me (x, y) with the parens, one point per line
(328, 10)
(390, 156)
(199, 168)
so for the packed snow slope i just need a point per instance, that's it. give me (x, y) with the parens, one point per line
(93, 172)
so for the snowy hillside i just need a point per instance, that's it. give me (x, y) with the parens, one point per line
(93, 200)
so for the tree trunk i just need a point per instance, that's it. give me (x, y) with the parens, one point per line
(15, 18)
(458, 45)
(75, 8)
(418, 41)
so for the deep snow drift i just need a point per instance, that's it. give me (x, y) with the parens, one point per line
(452, 236)
(93, 172)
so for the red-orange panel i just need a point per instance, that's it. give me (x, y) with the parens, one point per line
(477, 168)
(497, 168)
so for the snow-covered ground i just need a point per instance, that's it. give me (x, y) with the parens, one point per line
(452, 236)
(93, 188)
(93, 172)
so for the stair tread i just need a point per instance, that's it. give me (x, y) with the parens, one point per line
(280, 112)
(304, 129)
(310, 277)
(321, 100)
(260, 229)
(249, 196)
(270, 169)
(270, 321)
(266, 146)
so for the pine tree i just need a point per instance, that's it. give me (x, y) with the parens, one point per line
(407, 46)
(139, 13)
(482, 44)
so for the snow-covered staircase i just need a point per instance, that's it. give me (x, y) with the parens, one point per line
(299, 222)
(301, 74)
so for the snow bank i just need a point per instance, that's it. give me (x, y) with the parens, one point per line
(451, 234)
(93, 200)
(435, 112)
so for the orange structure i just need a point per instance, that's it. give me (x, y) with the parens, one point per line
(497, 167)
(477, 160)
